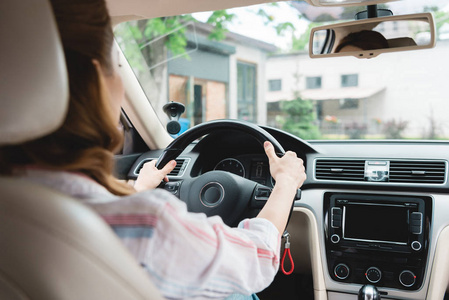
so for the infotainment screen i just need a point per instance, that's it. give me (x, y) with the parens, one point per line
(375, 222)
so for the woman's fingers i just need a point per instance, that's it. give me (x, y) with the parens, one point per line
(287, 168)
(269, 150)
(150, 176)
(168, 168)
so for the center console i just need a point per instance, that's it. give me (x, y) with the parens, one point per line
(377, 239)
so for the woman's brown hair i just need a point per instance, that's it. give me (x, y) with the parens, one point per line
(86, 141)
(365, 40)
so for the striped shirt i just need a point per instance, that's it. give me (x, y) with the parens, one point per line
(187, 255)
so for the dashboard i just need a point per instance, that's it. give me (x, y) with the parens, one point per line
(252, 167)
(379, 207)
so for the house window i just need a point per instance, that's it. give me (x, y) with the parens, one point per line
(246, 92)
(349, 80)
(313, 82)
(274, 85)
(349, 103)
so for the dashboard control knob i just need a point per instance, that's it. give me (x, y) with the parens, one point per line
(341, 271)
(407, 278)
(335, 238)
(416, 245)
(373, 275)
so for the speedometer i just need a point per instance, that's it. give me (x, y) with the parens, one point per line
(231, 165)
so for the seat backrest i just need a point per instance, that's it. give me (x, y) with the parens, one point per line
(51, 246)
(33, 77)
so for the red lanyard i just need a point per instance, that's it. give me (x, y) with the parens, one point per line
(286, 235)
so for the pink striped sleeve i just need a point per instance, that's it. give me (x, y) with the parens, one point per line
(193, 256)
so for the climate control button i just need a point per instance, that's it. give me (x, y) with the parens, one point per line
(373, 275)
(341, 271)
(407, 278)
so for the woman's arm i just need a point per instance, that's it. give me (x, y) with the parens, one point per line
(289, 173)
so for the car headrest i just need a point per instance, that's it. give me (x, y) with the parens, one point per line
(33, 76)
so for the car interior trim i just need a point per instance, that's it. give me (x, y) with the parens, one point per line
(139, 110)
(439, 277)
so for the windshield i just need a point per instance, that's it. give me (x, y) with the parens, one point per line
(252, 63)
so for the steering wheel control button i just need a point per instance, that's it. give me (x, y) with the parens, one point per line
(212, 194)
(262, 193)
(416, 245)
(341, 271)
(407, 278)
(335, 238)
(373, 275)
(172, 187)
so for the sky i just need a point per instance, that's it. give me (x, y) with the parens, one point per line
(248, 23)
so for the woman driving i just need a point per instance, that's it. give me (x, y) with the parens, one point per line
(186, 255)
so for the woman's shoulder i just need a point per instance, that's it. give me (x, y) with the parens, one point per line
(96, 196)
(73, 184)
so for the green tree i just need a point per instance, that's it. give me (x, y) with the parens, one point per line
(147, 44)
(299, 118)
(172, 30)
(440, 17)
(302, 42)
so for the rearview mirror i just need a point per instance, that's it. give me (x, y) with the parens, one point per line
(370, 37)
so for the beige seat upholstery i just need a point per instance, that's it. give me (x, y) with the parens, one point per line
(33, 79)
(51, 246)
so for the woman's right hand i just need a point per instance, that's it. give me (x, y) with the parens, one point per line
(289, 173)
(287, 169)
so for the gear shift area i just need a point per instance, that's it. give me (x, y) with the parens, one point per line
(368, 292)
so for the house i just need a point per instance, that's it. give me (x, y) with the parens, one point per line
(367, 94)
(220, 79)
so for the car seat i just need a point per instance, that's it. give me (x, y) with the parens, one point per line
(51, 246)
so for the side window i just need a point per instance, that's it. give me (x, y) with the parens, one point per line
(349, 80)
(275, 85)
(313, 82)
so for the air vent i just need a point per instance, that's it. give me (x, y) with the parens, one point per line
(181, 165)
(432, 172)
(351, 170)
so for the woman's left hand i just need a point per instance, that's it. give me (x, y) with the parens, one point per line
(150, 176)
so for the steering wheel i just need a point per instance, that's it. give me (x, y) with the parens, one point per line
(218, 192)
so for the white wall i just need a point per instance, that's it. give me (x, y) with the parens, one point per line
(259, 58)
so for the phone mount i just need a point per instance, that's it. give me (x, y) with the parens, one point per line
(174, 110)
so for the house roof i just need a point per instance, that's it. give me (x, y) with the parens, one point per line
(289, 54)
(238, 38)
